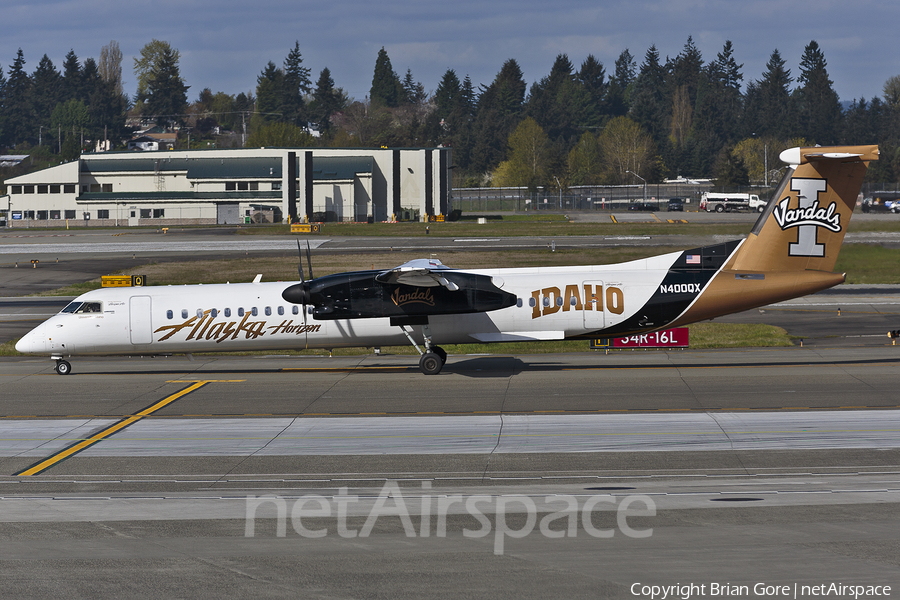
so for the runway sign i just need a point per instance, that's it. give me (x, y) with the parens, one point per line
(668, 338)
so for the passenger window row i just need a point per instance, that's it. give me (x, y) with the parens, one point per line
(545, 301)
(295, 310)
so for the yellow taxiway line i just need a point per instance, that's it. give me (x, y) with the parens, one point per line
(62, 455)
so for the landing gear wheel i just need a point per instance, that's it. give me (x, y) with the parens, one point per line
(430, 363)
(63, 367)
(441, 353)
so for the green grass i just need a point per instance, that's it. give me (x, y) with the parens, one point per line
(869, 263)
(733, 335)
(9, 349)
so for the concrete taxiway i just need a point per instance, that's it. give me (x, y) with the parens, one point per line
(506, 476)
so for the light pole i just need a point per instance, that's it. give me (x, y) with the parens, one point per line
(642, 179)
(560, 191)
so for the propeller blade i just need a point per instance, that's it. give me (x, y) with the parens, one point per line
(300, 262)
(308, 258)
(302, 291)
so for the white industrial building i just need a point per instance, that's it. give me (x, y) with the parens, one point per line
(197, 187)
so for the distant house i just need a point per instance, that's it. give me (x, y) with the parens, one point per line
(153, 141)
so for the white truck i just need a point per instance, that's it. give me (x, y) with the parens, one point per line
(714, 202)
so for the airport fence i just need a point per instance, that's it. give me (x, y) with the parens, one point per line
(603, 198)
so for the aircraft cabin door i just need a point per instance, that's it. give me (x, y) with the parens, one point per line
(593, 305)
(139, 320)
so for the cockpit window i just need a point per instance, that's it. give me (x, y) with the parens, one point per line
(71, 307)
(89, 307)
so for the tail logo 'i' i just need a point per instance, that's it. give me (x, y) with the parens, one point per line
(808, 217)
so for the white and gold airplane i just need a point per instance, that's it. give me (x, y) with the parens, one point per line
(790, 252)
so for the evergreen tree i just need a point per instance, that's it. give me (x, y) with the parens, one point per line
(146, 65)
(90, 78)
(818, 107)
(463, 119)
(71, 85)
(18, 100)
(726, 103)
(44, 93)
(327, 100)
(730, 171)
(650, 103)
(498, 112)
(685, 71)
(558, 102)
(769, 110)
(413, 91)
(860, 125)
(447, 94)
(296, 84)
(718, 112)
(592, 77)
(107, 108)
(386, 86)
(3, 113)
(618, 96)
(167, 93)
(269, 89)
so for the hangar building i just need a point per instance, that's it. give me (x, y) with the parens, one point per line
(197, 187)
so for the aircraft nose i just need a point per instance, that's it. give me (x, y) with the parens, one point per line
(32, 343)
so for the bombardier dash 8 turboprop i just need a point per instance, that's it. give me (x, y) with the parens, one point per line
(790, 252)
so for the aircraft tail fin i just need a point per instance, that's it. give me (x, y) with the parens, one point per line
(794, 245)
(804, 224)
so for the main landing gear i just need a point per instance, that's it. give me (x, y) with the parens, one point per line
(63, 367)
(432, 360)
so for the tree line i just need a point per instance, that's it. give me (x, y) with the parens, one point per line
(662, 118)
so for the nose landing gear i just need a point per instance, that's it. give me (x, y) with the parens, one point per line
(63, 367)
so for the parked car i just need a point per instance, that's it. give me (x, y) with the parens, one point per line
(643, 206)
(675, 204)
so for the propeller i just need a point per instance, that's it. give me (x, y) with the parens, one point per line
(300, 262)
(299, 293)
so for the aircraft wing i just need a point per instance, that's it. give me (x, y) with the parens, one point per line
(421, 272)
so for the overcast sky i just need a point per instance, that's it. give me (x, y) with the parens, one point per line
(225, 44)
